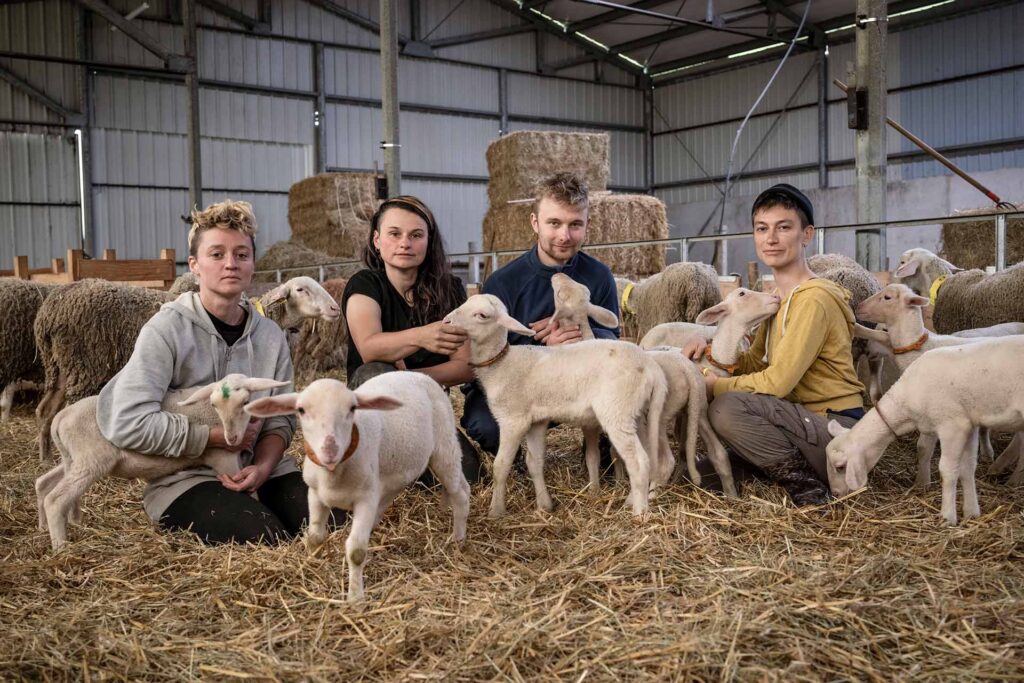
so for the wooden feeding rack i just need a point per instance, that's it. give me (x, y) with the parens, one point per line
(156, 273)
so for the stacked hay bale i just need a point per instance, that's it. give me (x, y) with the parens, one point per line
(973, 244)
(331, 212)
(519, 161)
(289, 254)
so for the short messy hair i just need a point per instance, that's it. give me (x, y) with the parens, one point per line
(770, 200)
(228, 214)
(564, 188)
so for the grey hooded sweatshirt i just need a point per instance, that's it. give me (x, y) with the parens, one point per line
(179, 348)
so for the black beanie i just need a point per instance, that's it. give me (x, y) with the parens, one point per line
(795, 195)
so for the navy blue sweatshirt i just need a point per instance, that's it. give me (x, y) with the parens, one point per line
(524, 286)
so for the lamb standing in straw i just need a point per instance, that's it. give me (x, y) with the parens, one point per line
(949, 392)
(609, 383)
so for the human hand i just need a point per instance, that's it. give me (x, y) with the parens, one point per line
(247, 480)
(442, 338)
(558, 335)
(542, 328)
(694, 347)
(709, 383)
(400, 365)
(252, 430)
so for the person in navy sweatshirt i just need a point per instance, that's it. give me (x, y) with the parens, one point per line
(559, 219)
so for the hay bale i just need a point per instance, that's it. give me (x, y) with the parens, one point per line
(518, 161)
(331, 212)
(290, 254)
(612, 218)
(973, 244)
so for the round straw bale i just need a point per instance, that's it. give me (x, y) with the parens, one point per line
(288, 256)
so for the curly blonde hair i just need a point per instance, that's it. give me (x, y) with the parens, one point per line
(228, 214)
(564, 188)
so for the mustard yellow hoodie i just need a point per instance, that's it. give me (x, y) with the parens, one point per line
(802, 353)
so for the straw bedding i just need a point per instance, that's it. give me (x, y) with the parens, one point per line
(973, 244)
(331, 212)
(873, 589)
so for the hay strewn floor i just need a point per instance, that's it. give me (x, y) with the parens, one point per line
(874, 589)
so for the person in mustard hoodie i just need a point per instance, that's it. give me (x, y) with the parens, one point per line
(773, 411)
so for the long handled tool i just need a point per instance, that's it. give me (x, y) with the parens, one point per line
(932, 152)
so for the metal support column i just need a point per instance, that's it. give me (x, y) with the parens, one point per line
(320, 108)
(649, 139)
(389, 95)
(195, 156)
(82, 26)
(823, 133)
(1001, 242)
(871, 23)
(503, 102)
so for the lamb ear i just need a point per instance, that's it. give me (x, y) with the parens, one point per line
(835, 429)
(917, 300)
(952, 268)
(284, 404)
(262, 384)
(201, 394)
(510, 323)
(856, 477)
(711, 316)
(602, 316)
(279, 293)
(907, 269)
(377, 403)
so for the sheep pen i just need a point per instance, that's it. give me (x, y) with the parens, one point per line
(873, 588)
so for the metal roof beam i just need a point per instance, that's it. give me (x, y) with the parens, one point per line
(548, 27)
(353, 17)
(612, 15)
(19, 83)
(480, 35)
(173, 62)
(242, 19)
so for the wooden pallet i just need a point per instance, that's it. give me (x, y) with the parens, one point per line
(156, 273)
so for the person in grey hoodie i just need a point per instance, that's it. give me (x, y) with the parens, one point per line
(196, 339)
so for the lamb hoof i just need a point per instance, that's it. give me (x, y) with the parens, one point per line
(972, 513)
(594, 490)
(496, 513)
(1016, 479)
(314, 542)
(545, 505)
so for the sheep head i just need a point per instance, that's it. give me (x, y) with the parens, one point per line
(848, 462)
(572, 304)
(743, 307)
(918, 268)
(327, 411)
(228, 398)
(485, 318)
(890, 305)
(303, 298)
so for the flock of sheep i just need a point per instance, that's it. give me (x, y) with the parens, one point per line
(367, 446)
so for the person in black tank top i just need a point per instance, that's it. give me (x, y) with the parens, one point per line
(394, 308)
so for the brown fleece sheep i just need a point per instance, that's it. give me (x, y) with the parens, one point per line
(677, 294)
(323, 346)
(972, 298)
(20, 301)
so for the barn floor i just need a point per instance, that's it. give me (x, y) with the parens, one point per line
(873, 588)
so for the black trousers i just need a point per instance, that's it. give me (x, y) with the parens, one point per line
(219, 515)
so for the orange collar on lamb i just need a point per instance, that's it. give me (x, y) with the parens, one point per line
(353, 444)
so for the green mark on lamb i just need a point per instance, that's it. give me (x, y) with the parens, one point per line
(225, 391)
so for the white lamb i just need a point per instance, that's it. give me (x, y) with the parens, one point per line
(87, 457)
(949, 392)
(360, 458)
(685, 391)
(899, 310)
(740, 311)
(604, 383)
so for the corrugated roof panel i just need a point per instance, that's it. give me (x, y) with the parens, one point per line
(538, 96)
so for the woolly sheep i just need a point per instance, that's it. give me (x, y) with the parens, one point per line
(86, 332)
(677, 294)
(949, 392)
(87, 457)
(966, 299)
(323, 346)
(594, 383)
(363, 448)
(685, 391)
(20, 301)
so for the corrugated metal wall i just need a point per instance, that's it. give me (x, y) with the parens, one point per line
(256, 143)
(977, 109)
